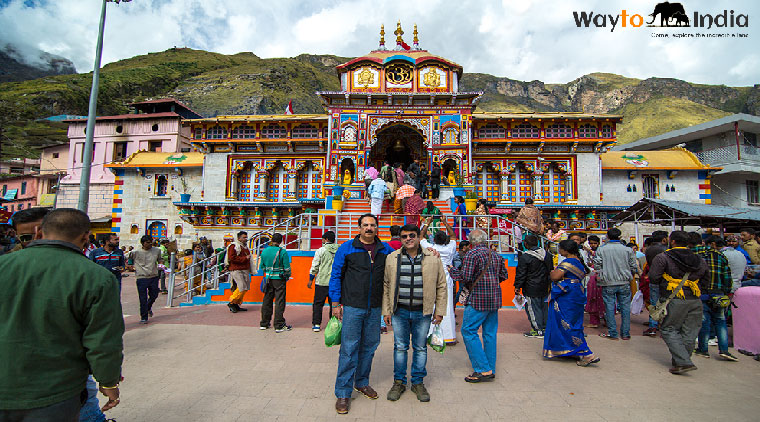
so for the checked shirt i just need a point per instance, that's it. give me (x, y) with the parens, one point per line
(719, 270)
(486, 295)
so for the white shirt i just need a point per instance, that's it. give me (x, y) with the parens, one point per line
(738, 263)
(447, 252)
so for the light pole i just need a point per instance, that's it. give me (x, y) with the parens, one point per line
(84, 181)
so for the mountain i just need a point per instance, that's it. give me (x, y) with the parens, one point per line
(216, 84)
(16, 65)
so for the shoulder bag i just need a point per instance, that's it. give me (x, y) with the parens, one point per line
(659, 312)
(265, 279)
(464, 293)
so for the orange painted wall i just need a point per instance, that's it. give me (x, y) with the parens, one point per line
(298, 293)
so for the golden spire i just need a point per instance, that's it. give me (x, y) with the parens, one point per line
(398, 33)
(416, 40)
(382, 37)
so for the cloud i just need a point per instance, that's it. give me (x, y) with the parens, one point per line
(524, 40)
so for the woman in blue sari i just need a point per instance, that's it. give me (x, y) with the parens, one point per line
(564, 335)
(460, 223)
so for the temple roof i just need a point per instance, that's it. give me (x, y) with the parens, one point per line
(412, 56)
(672, 159)
(544, 115)
(160, 159)
(260, 118)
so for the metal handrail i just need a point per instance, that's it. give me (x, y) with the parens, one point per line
(209, 273)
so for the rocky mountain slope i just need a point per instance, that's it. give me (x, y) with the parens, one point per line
(216, 84)
(16, 66)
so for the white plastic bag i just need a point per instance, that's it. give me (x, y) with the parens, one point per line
(519, 302)
(637, 303)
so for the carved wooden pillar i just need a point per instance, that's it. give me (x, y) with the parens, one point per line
(261, 195)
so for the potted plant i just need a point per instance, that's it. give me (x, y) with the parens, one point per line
(458, 188)
(471, 201)
(337, 202)
(185, 190)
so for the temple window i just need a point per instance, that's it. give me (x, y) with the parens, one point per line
(525, 130)
(554, 185)
(607, 131)
(198, 133)
(491, 131)
(305, 131)
(559, 130)
(308, 182)
(216, 132)
(587, 131)
(245, 183)
(519, 184)
(244, 132)
(487, 184)
(278, 183)
(273, 131)
(162, 185)
(450, 136)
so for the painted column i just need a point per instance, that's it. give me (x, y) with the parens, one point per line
(504, 186)
(233, 186)
(292, 177)
(537, 191)
(569, 187)
(261, 195)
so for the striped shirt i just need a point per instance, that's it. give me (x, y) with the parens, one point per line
(410, 282)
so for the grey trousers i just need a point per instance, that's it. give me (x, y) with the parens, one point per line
(681, 327)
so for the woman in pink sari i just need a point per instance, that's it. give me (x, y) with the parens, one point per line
(414, 206)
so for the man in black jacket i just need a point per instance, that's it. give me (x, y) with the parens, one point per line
(684, 319)
(532, 277)
(356, 291)
(435, 181)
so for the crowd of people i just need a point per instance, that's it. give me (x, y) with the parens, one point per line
(411, 283)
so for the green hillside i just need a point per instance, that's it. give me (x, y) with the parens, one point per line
(215, 84)
(660, 115)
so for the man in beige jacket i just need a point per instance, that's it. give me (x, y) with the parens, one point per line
(414, 289)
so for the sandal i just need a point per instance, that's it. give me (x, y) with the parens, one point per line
(584, 363)
(478, 377)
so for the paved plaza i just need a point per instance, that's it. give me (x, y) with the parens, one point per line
(205, 364)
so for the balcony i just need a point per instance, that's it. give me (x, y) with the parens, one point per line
(730, 155)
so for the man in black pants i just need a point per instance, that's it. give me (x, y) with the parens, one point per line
(276, 265)
(321, 266)
(435, 181)
(532, 277)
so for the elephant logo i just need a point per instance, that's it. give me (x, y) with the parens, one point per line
(671, 14)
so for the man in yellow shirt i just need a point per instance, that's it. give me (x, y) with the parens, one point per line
(750, 245)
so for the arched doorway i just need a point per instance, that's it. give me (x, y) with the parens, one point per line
(448, 166)
(398, 143)
(157, 229)
(347, 165)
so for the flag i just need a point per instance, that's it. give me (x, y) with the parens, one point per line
(289, 107)
(405, 46)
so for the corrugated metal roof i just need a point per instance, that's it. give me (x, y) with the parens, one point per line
(259, 118)
(545, 115)
(664, 212)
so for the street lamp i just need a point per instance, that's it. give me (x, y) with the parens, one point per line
(84, 181)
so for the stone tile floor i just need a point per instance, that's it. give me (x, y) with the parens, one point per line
(206, 364)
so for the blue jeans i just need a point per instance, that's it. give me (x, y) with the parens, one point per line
(408, 323)
(359, 339)
(622, 295)
(91, 408)
(654, 299)
(482, 355)
(712, 318)
(147, 291)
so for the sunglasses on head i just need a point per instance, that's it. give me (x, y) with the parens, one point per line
(25, 237)
(410, 236)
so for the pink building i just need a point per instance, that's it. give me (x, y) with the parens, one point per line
(153, 126)
(19, 192)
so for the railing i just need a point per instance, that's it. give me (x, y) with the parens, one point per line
(728, 154)
(195, 279)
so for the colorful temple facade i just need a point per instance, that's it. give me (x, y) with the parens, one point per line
(399, 104)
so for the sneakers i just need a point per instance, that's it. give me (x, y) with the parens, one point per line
(383, 330)
(534, 334)
(143, 321)
(397, 390)
(650, 332)
(241, 309)
(233, 307)
(315, 328)
(421, 392)
(678, 370)
(713, 341)
(728, 356)
(705, 355)
(283, 328)
(150, 314)
(263, 327)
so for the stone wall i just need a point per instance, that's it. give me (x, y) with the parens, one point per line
(101, 198)
(616, 182)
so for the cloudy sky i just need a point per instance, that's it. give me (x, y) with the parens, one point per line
(519, 39)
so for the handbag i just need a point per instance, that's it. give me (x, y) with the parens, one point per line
(659, 312)
(464, 293)
(265, 280)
